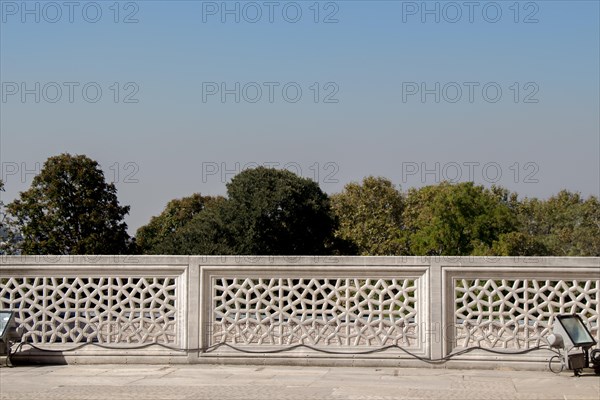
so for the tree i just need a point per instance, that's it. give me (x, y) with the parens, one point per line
(455, 219)
(205, 234)
(157, 237)
(267, 212)
(518, 244)
(70, 209)
(586, 229)
(9, 236)
(565, 224)
(370, 216)
(275, 212)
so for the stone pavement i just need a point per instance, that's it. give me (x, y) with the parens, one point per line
(218, 382)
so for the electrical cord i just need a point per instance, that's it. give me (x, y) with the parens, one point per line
(427, 360)
(286, 349)
(562, 364)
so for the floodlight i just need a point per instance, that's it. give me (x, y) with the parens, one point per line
(6, 322)
(8, 330)
(570, 333)
(577, 333)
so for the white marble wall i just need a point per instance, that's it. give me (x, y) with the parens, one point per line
(294, 310)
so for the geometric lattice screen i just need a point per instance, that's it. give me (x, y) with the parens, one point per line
(101, 310)
(314, 311)
(519, 313)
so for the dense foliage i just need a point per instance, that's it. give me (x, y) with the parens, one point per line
(161, 234)
(276, 212)
(455, 219)
(70, 209)
(370, 216)
(564, 225)
(267, 212)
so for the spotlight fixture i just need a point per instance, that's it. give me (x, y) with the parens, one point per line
(570, 334)
(8, 330)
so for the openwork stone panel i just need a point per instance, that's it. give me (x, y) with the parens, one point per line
(99, 310)
(520, 313)
(314, 311)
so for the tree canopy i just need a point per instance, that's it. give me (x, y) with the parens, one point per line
(455, 219)
(563, 225)
(271, 211)
(370, 216)
(266, 212)
(70, 209)
(158, 236)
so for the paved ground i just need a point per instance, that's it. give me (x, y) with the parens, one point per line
(115, 382)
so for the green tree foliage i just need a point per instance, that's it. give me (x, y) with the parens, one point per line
(455, 219)
(267, 212)
(370, 216)
(70, 209)
(517, 244)
(271, 212)
(157, 237)
(205, 234)
(9, 235)
(565, 224)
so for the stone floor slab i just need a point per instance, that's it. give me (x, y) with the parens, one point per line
(116, 382)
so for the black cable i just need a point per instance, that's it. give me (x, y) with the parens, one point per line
(289, 348)
(9, 354)
(429, 361)
(562, 366)
(7, 362)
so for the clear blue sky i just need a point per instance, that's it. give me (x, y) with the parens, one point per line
(374, 57)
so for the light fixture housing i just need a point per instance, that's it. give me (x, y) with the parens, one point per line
(7, 319)
(574, 331)
(570, 333)
(8, 330)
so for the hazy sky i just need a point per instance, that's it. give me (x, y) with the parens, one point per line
(175, 97)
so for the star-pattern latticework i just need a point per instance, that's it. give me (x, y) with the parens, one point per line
(520, 313)
(100, 310)
(314, 311)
